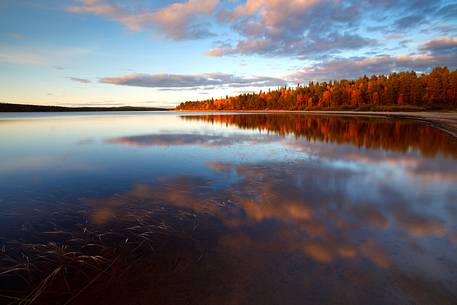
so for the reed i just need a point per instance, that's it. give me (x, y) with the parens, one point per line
(62, 264)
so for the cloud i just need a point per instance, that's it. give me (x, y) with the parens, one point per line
(301, 47)
(79, 80)
(448, 11)
(393, 36)
(351, 68)
(311, 29)
(176, 21)
(443, 45)
(328, 32)
(302, 28)
(409, 21)
(274, 11)
(436, 52)
(191, 81)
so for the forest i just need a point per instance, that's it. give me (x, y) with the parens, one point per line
(394, 92)
(8, 107)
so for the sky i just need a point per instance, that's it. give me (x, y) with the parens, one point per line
(161, 53)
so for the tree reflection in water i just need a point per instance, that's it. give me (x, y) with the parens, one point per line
(367, 216)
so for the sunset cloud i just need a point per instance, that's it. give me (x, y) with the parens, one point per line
(351, 68)
(191, 81)
(310, 29)
(175, 21)
(291, 28)
(301, 48)
(440, 45)
(317, 30)
(199, 49)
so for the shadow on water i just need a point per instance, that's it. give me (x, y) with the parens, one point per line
(366, 215)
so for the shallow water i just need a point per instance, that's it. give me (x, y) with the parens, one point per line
(176, 208)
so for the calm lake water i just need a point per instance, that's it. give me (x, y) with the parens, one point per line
(175, 208)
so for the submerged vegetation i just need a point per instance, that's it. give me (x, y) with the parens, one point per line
(63, 258)
(395, 92)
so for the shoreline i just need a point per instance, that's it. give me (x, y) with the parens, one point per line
(443, 120)
(446, 121)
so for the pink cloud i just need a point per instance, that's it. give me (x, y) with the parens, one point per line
(175, 21)
(273, 12)
(350, 68)
(442, 44)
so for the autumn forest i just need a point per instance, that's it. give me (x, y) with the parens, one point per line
(396, 91)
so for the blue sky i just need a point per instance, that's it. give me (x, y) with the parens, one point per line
(160, 53)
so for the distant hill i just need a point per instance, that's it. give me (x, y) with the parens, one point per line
(7, 107)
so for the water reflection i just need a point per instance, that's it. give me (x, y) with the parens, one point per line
(282, 210)
(190, 139)
(376, 133)
(343, 211)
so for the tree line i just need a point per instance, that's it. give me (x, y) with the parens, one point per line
(8, 107)
(396, 91)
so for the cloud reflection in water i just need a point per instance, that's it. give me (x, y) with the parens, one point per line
(307, 210)
(364, 213)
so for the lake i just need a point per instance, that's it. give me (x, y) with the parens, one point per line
(200, 208)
